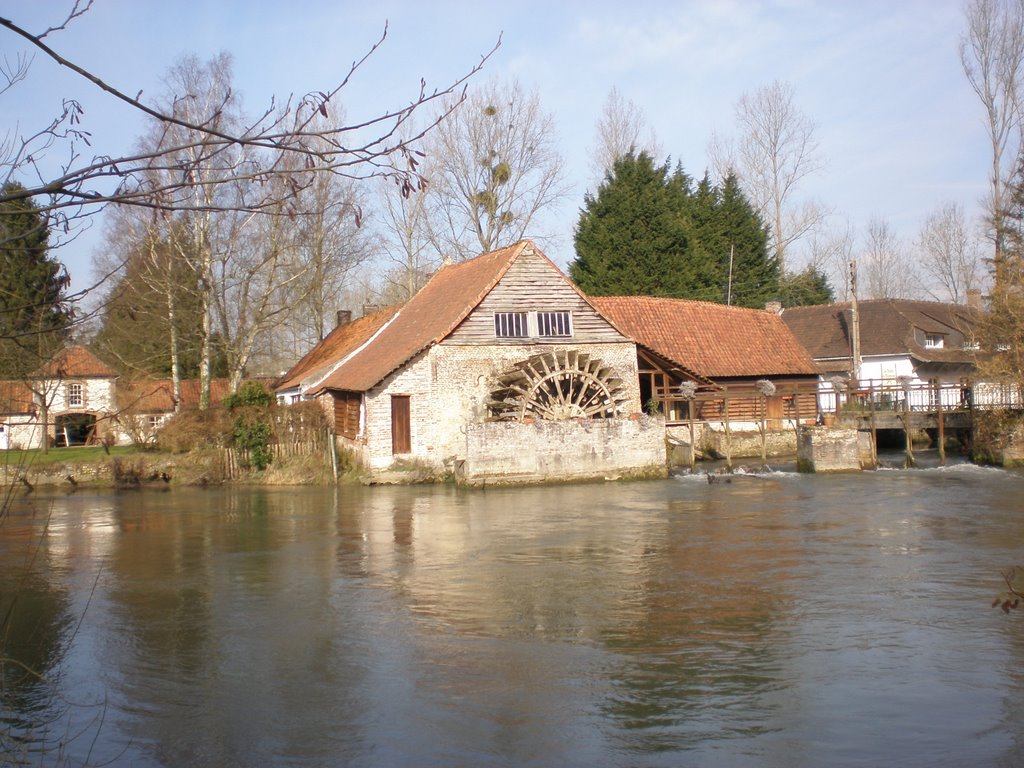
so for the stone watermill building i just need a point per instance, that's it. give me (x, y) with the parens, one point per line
(498, 370)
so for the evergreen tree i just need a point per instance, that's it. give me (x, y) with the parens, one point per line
(34, 316)
(647, 232)
(805, 288)
(632, 237)
(751, 272)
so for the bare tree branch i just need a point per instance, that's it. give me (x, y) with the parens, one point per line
(123, 179)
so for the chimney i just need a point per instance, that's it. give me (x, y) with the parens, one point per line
(775, 307)
(344, 317)
(369, 309)
(974, 298)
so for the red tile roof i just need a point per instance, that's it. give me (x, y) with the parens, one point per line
(76, 362)
(427, 318)
(156, 395)
(336, 346)
(712, 340)
(886, 328)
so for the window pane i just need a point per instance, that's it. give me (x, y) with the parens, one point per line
(554, 324)
(510, 325)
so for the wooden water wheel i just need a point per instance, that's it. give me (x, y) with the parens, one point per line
(555, 386)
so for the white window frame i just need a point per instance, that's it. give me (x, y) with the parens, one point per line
(535, 324)
(934, 341)
(554, 324)
(74, 395)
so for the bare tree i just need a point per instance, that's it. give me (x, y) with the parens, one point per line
(203, 187)
(992, 55)
(776, 149)
(364, 148)
(406, 243)
(949, 253)
(332, 244)
(196, 152)
(886, 269)
(493, 167)
(621, 129)
(831, 251)
(203, 157)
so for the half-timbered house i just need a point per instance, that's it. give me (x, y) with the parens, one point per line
(498, 370)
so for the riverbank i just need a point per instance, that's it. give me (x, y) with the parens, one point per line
(129, 467)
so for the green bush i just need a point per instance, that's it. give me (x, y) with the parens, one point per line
(251, 434)
(250, 394)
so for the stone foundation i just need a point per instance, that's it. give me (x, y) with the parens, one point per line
(833, 449)
(559, 451)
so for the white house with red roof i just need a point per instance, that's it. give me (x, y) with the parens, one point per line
(83, 401)
(74, 394)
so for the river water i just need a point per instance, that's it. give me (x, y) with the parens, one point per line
(771, 620)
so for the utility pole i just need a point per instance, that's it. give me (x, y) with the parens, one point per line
(854, 329)
(728, 298)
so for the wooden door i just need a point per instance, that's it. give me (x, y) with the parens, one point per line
(401, 425)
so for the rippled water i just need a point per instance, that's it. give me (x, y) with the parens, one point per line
(773, 620)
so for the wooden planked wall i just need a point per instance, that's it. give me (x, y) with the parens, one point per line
(533, 284)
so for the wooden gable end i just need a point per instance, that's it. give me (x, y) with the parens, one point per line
(533, 285)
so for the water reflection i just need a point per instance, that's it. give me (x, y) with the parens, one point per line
(773, 620)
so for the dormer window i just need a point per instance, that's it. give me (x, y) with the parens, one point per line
(933, 341)
(523, 325)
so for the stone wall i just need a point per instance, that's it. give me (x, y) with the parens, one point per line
(449, 386)
(999, 439)
(552, 451)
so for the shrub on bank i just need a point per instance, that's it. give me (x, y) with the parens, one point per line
(249, 421)
(191, 429)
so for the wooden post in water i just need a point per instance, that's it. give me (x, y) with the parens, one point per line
(693, 448)
(942, 423)
(970, 416)
(764, 432)
(728, 432)
(874, 428)
(909, 462)
(688, 391)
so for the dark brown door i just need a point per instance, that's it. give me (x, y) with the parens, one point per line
(401, 428)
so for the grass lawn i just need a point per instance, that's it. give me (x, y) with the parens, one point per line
(75, 454)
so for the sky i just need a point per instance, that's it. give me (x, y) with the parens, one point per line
(898, 127)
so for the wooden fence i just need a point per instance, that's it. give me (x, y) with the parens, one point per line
(235, 461)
